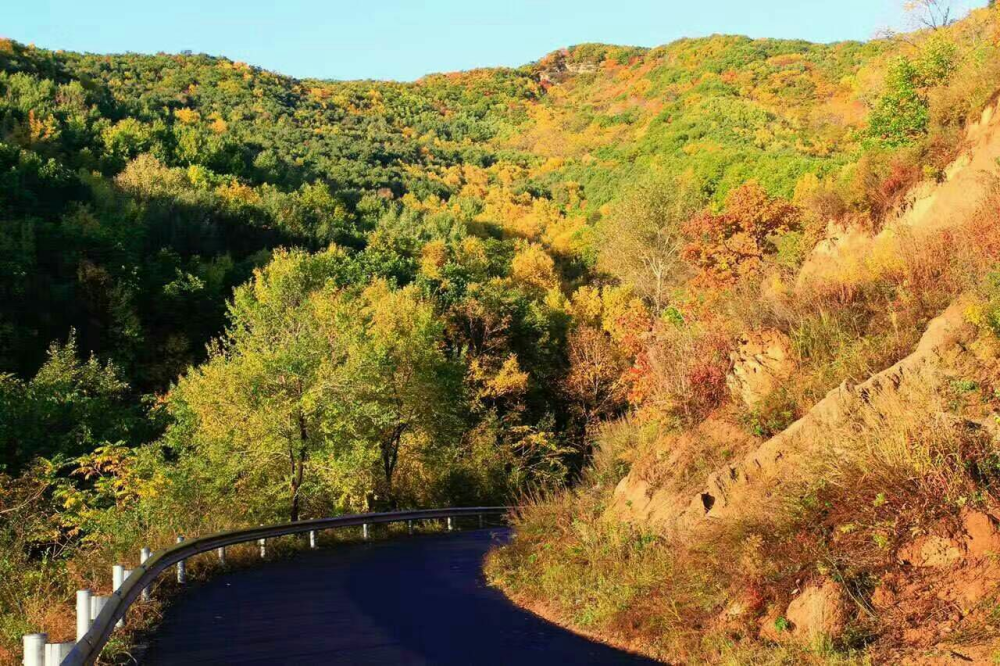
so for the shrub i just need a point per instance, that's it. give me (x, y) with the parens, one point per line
(901, 115)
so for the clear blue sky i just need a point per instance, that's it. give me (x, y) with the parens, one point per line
(404, 39)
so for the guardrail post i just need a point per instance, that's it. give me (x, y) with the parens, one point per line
(117, 578)
(34, 649)
(263, 547)
(97, 604)
(480, 521)
(181, 568)
(364, 531)
(449, 524)
(82, 613)
(144, 555)
(56, 652)
(312, 538)
(221, 550)
(409, 526)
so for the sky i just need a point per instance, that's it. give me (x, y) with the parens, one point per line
(405, 39)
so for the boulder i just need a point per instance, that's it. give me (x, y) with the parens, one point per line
(982, 536)
(819, 612)
(930, 551)
(761, 364)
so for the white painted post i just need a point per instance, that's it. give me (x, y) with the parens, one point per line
(117, 578)
(144, 555)
(449, 523)
(222, 555)
(480, 521)
(312, 538)
(97, 604)
(34, 649)
(181, 568)
(364, 531)
(82, 614)
(409, 526)
(56, 652)
(263, 547)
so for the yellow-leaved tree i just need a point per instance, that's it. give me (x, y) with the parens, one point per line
(314, 394)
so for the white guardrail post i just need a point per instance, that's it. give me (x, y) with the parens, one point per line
(144, 555)
(97, 604)
(312, 538)
(117, 578)
(364, 531)
(449, 524)
(221, 550)
(56, 652)
(82, 614)
(181, 568)
(34, 649)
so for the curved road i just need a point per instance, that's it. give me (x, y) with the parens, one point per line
(419, 600)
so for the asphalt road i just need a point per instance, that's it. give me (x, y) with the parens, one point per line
(418, 600)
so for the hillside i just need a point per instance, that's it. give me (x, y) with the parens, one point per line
(810, 474)
(616, 279)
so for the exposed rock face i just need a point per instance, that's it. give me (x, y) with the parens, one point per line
(656, 490)
(978, 539)
(760, 364)
(786, 459)
(930, 208)
(931, 551)
(982, 534)
(819, 612)
(559, 67)
(955, 571)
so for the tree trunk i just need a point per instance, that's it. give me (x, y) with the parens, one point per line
(390, 456)
(298, 466)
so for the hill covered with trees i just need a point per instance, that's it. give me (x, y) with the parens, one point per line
(230, 297)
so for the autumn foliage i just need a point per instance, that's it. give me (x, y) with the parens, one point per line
(733, 244)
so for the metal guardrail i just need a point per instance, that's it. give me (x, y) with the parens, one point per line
(88, 648)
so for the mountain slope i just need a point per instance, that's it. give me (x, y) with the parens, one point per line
(810, 473)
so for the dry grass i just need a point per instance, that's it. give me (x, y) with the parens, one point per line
(901, 465)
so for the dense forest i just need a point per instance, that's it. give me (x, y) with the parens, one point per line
(230, 297)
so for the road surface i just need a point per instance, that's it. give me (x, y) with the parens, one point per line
(418, 600)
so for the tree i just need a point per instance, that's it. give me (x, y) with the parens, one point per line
(394, 386)
(69, 407)
(901, 114)
(253, 413)
(641, 239)
(733, 244)
(596, 383)
(933, 14)
(315, 392)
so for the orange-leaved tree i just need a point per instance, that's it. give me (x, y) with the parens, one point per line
(733, 244)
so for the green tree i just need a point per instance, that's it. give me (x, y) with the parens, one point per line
(395, 389)
(641, 239)
(315, 392)
(901, 114)
(68, 408)
(253, 413)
